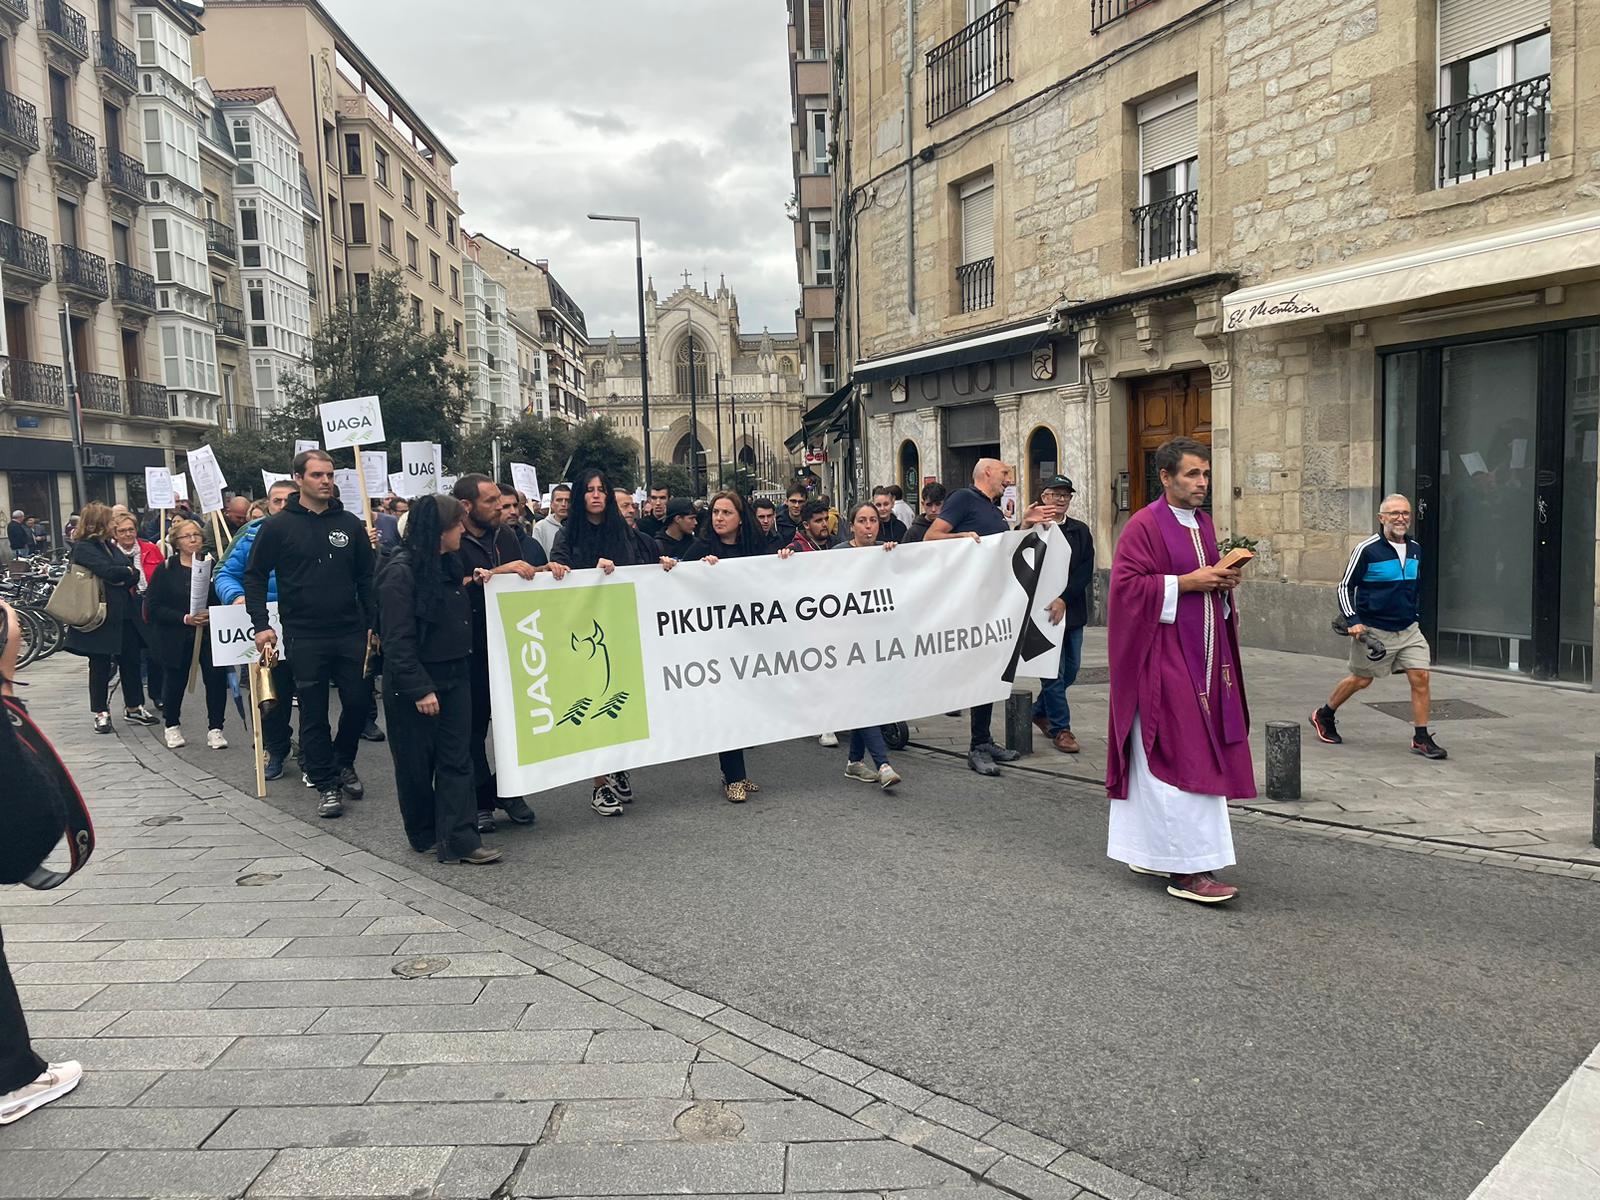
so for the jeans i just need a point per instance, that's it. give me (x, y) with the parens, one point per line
(19, 1065)
(868, 740)
(433, 764)
(319, 663)
(1052, 702)
(732, 764)
(982, 719)
(129, 670)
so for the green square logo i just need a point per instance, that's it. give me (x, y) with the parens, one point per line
(577, 672)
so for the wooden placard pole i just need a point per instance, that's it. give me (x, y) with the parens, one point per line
(361, 480)
(161, 528)
(194, 660)
(251, 675)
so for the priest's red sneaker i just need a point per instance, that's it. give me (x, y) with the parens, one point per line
(1202, 888)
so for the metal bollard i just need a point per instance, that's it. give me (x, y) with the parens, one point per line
(1283, 760)
(1594, 836)
(1019, 722)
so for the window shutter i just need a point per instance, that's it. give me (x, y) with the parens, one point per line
(1170, 138)
(1469, 27)
(977, 223)
(817, 28)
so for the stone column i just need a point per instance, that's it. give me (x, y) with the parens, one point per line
(1077, 451)
(880, 450)
(1011, 448)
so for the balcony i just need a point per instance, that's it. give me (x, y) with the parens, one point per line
(147, 400)
(124, 176)
(99, 393)
(220, 240)
(115, 63)
(26, 255)
(230, 322)
(14, 10)
(72, 150)
(35, 383)
(65, 27)
(972, 64)
(976, 284)
(1168, 228)
(19, 124)
(1105, 12)
(239, 417)
(81, 273)
(1497, 131)
(132, 288)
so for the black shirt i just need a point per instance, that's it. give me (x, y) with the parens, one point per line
(970, 511)
(651, 525)
(673, 547)
(491, 549)
(412, 644)
(324, 566)
(892, 530)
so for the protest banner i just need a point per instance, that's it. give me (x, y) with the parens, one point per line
(597, 673)
(397, 483)
(349, 484)
(375, 472)
(158, 488)
(268, 478)
(233, 641)
(357, 422)
(447, 484)
(199, 596)
(180, 486)
(525, 479)
(207, 476)
(419, 463)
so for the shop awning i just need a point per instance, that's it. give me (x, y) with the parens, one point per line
(1569, 247)
(821, 417)
(999, 343)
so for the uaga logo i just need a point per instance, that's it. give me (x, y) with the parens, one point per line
(577, 672)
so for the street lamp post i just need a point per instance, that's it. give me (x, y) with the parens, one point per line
(644, 343)
(721, 474)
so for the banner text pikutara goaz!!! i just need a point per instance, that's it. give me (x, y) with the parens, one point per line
(710, 618)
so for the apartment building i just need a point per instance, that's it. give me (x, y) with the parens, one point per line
(237, 409)
(74, 259)
(812, 93)
(382, 176)
(1352, 245)
(533, 395)
(268, 217)
(535, 293)
(493, 391)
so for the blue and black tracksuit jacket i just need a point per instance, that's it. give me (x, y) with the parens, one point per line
(1379, 589)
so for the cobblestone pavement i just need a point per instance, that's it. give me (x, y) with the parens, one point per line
(263, 1010)
(1520, 777)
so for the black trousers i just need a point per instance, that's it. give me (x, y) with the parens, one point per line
(982, 719)
(19, 1065)
(129, 668)
(275, 721)
(215, 681)
(318, 665)
(433, 764)
(483, 782)
(732, 764)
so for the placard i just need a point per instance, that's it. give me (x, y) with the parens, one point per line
(1008, 502)
(447, 484)
(158, 492)
(200, 585)
(349, 485)
(375, 470)
(357, 422)
(397, 483)
(233, 641)
(207, 476)
(525, 479)
(268, 478)
(419, 463)
(180, 485)
(301, 445)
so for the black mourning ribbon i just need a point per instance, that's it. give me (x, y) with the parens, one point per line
(78, 827)
(1032, 641)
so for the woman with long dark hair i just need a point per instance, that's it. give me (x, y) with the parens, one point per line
(425, 620)
(117, 640)
(174, 631)
(731, 532)
(596, 535)
(862, 534)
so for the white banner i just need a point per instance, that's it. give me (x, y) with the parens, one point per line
(525, 479)
(357, 422)
(597, 673)
(207, 476)
(375, 470)
(419, 463)
(233, 642)
(158, 488)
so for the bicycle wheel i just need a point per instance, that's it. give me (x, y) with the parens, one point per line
(896, 735)
(53, 634)
(31, 635)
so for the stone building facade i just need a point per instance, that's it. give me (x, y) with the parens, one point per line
(1340, 240)
(712, 388)
(536, 294)
(237, 409)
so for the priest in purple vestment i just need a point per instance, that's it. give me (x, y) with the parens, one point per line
(1178, 747)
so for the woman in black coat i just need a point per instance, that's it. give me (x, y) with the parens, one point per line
(117, 640)
(174, 631)
(425, 619)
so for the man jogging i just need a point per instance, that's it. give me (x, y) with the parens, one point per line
(1378, 597)
(324, 562)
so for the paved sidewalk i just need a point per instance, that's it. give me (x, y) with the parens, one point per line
(1520, 776)
(262, 1010)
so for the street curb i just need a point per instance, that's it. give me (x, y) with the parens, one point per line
(1005, 1157)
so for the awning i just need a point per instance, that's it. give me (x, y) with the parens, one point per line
(1569, 247)
(1001, 343)
(820, 417)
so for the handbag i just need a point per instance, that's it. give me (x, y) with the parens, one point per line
(79, 600)
(41, 805)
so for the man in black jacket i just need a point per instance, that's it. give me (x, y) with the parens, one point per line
(789, 520)
(933, 495)
(324, 563)
(1051, 713)
(678, 533)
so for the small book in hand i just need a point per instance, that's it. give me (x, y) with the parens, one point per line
(1235, 558)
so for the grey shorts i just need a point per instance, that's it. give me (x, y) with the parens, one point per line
(1408, 651)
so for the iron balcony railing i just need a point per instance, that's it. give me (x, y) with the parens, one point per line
(124, 174)
(1104, 12)
(83, 272)
(72, 149)
(976, 281)
(116, 60)
(971, 64)
(24, 253)
(133, 287)
(149, 400)
(1496, 131)
(1168, 228)
(220, 239)
(230, 321)
(15, 9)
(68, 26)
(100, 393)
(35, 383)
(241, 416)
(19, 123)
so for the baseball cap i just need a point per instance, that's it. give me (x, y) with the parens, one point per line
(1059, 483)
(679, 506)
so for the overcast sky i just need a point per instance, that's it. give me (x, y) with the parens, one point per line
(675, 112)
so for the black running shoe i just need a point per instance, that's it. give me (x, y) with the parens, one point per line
(332, 803)
(1327, 728)
(622, 785)
(1427, 747)
(351, 783)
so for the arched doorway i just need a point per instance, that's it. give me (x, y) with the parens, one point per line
(747, 458)
(1044, 460)
(910, 471)
(686, 446)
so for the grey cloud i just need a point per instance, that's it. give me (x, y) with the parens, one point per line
(605, 122)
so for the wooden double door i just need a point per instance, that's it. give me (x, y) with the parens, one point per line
(1161, 408)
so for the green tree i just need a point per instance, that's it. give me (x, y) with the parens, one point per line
(541, 443)
(245, 453)
(597, 443)
(673, 476)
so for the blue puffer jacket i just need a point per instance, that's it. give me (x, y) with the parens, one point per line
(229, 579)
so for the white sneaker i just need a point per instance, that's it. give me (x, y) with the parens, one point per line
(887, 777)
(175, 738)
(57, 1080)
(215, 740)
(828, 739)
(860, 770)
